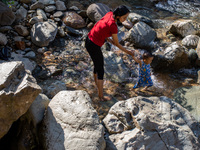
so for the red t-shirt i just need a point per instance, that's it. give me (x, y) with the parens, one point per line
(102, 29)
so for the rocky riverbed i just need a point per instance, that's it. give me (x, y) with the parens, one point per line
(48, 37)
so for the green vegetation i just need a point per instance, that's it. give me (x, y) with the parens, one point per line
(7, 2)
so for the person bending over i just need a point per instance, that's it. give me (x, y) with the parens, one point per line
(104, 28)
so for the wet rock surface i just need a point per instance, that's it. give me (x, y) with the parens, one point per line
(59, 61)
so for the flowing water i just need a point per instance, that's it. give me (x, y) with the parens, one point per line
(164, 83)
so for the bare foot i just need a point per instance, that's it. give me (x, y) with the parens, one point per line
(144, 89)
(105, 98)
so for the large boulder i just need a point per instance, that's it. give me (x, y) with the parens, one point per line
(151, 123)
(7, 17)
(73, 20)
(43, 32)
(184, 27)
(72, 123)
(96, 11)
(173, 58)
(190, 41)
(18, 90)
(141, 35)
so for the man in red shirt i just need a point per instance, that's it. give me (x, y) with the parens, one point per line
(104, 28)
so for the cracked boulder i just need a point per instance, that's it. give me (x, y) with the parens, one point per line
(150, 123)
(72, 123)
(18, 90)
(141, 35)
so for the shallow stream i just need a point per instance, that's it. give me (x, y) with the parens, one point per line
(164, 83)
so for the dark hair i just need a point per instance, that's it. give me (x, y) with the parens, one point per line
(147, 55)
(121, 10)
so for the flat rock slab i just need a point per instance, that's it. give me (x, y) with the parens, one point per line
(189, 98)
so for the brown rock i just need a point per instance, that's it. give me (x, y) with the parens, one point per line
(20, 45)
(73, 20)
(22, 30)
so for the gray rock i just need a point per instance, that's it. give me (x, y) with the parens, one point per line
(134, 18)
(21, 14)
(36, 19)
(51, 88)
(30, 55)
(3, 39)
(7, 17)
(19, 56)
(49, 8)
(188, 97)
(198, 49)
(58, 14)
(115, 69)
(23, 31)
(37, 5)
(37, 109)
(141, 35)
(161, 23)
(72, 123)
(43, 32)
(184, 8)
(96, 11)
(47, 2)
(190, 41)
(5, 28)
(198, 80)
(60, 5)
(173, 58)
(183, 28)
(192, 55)
(40, 12)
(151, 123)
(18, 90)
(61, 32)
(72, 31)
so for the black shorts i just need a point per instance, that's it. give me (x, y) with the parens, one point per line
(96, 56)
